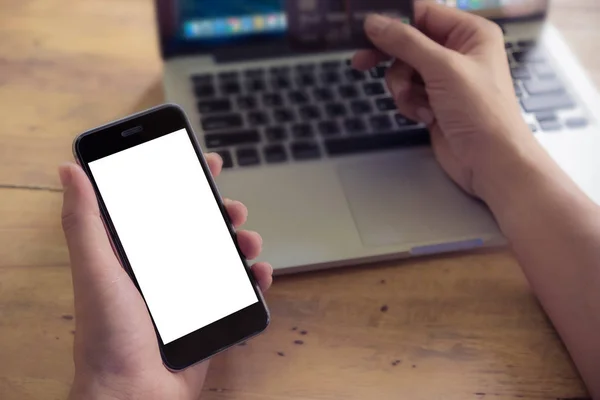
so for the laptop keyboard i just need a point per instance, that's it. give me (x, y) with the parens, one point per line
(541, 93)
(299, 112)
(308, 111)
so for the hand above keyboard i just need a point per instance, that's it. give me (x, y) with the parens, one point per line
(462, 88)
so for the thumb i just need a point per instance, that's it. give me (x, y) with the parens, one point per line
(93, 263)
(404, 42)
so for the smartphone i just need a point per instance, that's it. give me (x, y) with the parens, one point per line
(172, 234)
(329, 25)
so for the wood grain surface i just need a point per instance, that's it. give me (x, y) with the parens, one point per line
(454, 327)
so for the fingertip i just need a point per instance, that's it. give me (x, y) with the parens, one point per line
(215, 163)
(368, 58)
(250, 243)
(75, 183)
(263, 273)
(362, 60)
(237, 211)
(375, 24)
(65, 173)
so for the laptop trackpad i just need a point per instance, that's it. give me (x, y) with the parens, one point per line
(405, 198)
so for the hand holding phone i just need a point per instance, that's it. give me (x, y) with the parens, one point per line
(114, 331)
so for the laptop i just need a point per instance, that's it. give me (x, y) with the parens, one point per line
(332, 174)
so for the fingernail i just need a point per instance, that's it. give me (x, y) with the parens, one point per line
(376, 23)
(65, 174)
(397, 87)
(425, 115)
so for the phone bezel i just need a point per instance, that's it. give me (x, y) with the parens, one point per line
(156, 122)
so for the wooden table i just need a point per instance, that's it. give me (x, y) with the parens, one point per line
(454, 327)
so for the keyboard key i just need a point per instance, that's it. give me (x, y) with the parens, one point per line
(508, 45)
(247, 102)
(530, 56)
(544, 86)
(305, 79)
(577, 122)
(381, 123)
(305, 151)
(280, 70)
(302, 131)
(281, 82)
(204, 90)
(226, 156)
(272, 99)
(305, 67)
(348, 91)
(247, 156)
(354, 75)
(214, 106)
(201, 78)
(228, 75)
(256, 85)
(537, 103)
(254, 73)
(323, 94)
(360, 107)
(333, 64)
(225, 121)
(282, 115)
(257, 118)
(527, 44)
(546, 116)
(275, 133)
(231, 87)
(231, 138)
(378, 72)
(329, 128)
(544, 71)
(520, 73)
(298, 97)
(373, 88)
(385, 104)
(309, 112)
(355, 126)
(367, 143)
(548, 126)
(330, 77)
(274, 153)
(403, 122)
(334, 110)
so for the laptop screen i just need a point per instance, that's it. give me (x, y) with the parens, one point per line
(204, 26)
(230, 19)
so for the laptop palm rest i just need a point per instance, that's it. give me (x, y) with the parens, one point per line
(406, 198)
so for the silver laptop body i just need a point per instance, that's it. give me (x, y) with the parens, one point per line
(322, 199)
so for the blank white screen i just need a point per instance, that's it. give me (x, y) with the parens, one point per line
(174, 235)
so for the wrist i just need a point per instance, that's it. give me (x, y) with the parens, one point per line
(517, 174)
(92, 389)
(505, 162)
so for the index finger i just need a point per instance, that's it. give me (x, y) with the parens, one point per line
(438, 21)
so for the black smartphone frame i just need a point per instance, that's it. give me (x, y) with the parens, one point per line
(132, 131)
